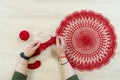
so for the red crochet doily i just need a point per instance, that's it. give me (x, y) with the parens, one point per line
(90, 39)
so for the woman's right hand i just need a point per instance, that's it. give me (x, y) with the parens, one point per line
(60, 46)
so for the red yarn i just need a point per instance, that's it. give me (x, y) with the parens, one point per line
(90, 40)
(34, 65)
(24, 35)
(37, 52)
(42, 47)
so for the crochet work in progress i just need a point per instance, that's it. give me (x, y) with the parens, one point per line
(90, 39)
(42, 47)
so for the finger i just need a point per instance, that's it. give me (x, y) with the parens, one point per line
(34, 43)
(37, 45)
(57, 41)
(62, 41)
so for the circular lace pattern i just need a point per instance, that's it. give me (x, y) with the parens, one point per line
(90, 39)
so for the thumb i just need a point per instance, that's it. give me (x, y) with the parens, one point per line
(62, 42)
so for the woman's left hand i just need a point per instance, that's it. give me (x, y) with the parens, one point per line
(30, 50)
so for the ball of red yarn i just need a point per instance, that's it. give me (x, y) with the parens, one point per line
(34, 65)
(24, 35)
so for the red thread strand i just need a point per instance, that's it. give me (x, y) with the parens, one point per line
(42, 47)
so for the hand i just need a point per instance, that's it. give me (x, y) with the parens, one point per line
(30, 50)
(60, 46)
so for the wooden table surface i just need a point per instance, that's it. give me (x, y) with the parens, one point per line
(41, 18)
